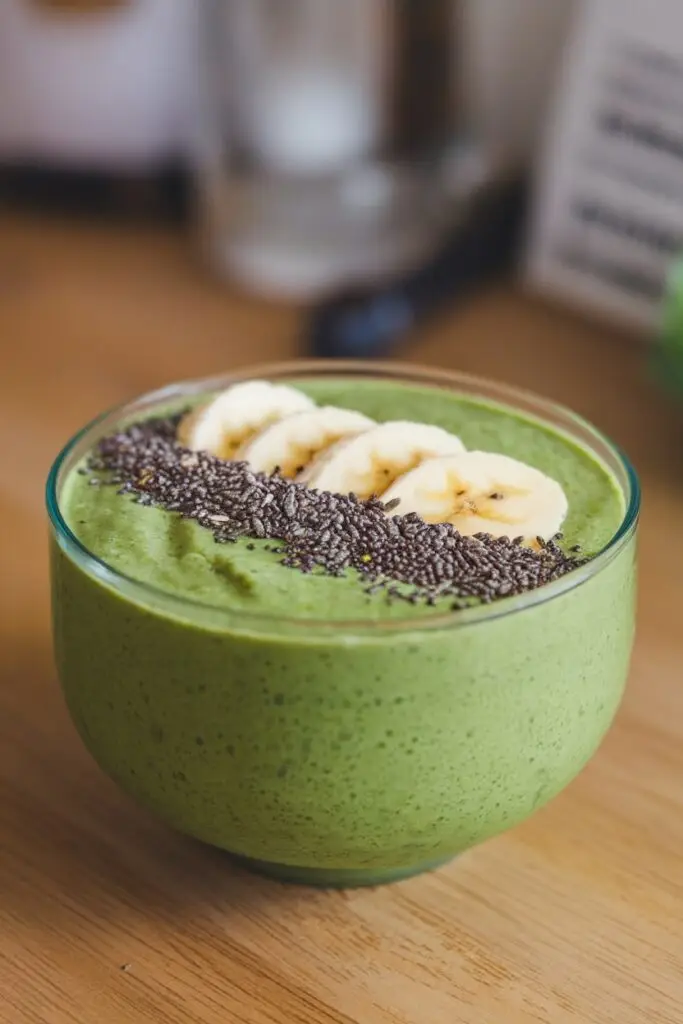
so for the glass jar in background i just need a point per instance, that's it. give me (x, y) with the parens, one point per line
(331, 147)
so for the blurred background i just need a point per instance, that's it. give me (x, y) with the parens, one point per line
(188, 186)
(489, 185)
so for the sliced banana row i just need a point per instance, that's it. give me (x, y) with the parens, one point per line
(415, 467)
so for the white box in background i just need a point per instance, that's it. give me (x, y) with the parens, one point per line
(96, 89)
(608, 218)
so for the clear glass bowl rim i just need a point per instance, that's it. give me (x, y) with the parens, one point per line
(528, 403)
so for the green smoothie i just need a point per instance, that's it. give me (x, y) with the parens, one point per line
(325, 734)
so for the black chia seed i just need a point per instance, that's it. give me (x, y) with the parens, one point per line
(317, 530)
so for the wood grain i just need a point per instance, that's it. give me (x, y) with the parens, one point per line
(106, 917)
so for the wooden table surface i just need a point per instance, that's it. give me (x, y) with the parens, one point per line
(106, 917)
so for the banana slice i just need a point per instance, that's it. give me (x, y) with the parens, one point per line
(482, 492)
(291, 444)
(233, 417)
(370, 463)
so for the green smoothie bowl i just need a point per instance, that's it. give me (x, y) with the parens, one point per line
(319, 722)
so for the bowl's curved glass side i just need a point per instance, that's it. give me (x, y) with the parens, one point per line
(338, 753)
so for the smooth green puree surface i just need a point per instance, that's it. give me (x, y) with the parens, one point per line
(180, 556)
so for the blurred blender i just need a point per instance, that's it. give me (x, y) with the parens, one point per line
(331, 148)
